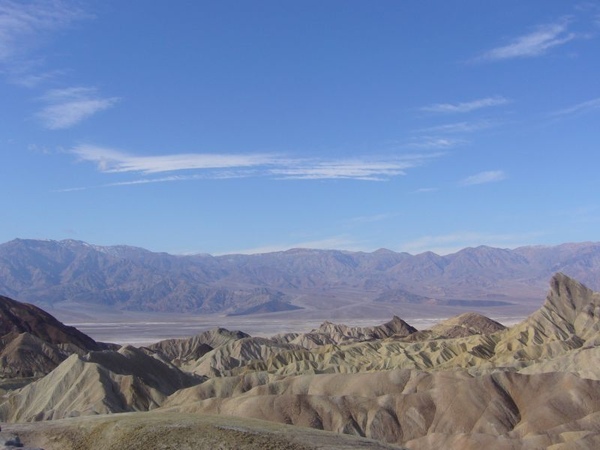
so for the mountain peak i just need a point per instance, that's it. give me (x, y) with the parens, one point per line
(570, 299)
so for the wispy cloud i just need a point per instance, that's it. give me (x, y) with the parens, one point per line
(342, 242)
(484, 177)
(67, 107)
(30, 80)
(536, 43)
(214, 165)
(579, 108)
(358, 169)
(114, 161)
(459, 127)
(30, 74)
(24, 25)
(134, 182)
(450, 243)
(466, 107)
(435, 142)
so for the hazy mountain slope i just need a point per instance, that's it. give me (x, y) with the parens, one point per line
(578, 260)
(121, 277)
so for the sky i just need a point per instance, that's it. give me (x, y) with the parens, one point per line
(247, 127)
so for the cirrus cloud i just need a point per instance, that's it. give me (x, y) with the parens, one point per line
(114, 161)
(532, 44)
(220, 165)
(489, 176)
(465, 107)
(24, 24)
(580, 108)
(67, 107)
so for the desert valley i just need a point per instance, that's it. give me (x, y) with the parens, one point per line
(299, 225)
(467, 381)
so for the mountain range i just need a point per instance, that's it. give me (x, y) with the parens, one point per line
(78, 274)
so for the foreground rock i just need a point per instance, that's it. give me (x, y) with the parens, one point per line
(11, 441)
(405, 407)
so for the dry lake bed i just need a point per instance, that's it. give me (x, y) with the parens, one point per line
(139, 329)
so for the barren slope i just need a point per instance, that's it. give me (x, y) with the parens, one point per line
(404, 407)
(33, 342)
(465, 383)
(144, 431)
(97, 383)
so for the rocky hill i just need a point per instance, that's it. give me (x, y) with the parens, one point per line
(98, 383)
(33, 343)
(77, 274)
(465, 383)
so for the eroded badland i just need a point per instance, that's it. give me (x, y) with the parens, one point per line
(468, 382)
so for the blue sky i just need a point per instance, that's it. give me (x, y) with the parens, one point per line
(236, 126)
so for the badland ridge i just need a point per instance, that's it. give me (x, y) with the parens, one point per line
(468, 382)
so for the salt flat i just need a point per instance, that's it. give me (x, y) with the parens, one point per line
(141, 329)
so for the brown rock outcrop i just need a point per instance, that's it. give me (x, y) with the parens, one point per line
(33, 342)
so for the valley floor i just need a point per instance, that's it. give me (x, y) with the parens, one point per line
(146, 328)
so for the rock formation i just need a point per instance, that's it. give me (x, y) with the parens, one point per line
(100, 382)
(465, 383)
(33, 342)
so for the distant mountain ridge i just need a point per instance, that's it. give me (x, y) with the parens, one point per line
(130, 278)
